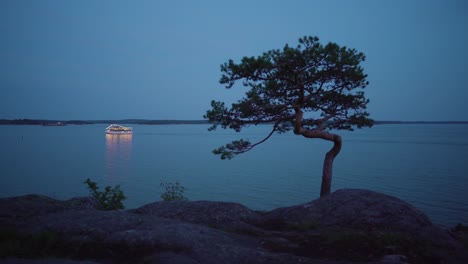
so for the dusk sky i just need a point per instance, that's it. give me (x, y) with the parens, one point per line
(161, 59)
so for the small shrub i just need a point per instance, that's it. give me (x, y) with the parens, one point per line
(109, 199)
(173, 192)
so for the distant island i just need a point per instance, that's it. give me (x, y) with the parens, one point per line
(47, 122)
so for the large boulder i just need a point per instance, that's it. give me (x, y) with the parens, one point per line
(354, 209)
(363, 211)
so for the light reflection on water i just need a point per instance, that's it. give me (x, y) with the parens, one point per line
(118, 157)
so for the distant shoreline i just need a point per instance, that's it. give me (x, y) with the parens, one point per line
(176, 122)
(93, 122)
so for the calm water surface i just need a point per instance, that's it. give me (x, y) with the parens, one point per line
(425, 165)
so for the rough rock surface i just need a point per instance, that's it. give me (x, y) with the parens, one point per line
(219, 232)
(209, 213)
(357, 209)
(361, 210)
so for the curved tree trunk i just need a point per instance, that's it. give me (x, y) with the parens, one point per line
(329, 157)
(328, 166)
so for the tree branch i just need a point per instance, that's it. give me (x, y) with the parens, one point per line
(261, 141)
(237, 147)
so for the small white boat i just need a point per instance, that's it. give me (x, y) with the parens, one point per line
(118, 129)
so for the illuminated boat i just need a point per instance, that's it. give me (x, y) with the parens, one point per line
(118, 129)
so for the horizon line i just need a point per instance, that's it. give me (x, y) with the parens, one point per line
(202, 120)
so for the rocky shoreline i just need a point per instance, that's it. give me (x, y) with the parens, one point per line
(347, 226)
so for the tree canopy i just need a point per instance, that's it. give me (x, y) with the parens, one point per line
(311, 89)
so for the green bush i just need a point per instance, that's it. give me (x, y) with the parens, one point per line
(173, 192)
(109, 199)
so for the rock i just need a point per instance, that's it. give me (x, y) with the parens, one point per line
(82, 203)
(220, 215)
(361, 210)
(170, 258)
(133, 237)
(44, 261)
(216, 232)
(394, 259)
(358, 220)
(29, 205)
(354, 209)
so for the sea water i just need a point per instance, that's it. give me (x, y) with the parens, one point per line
(425, 165)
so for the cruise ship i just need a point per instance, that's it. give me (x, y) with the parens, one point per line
(118, 129)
